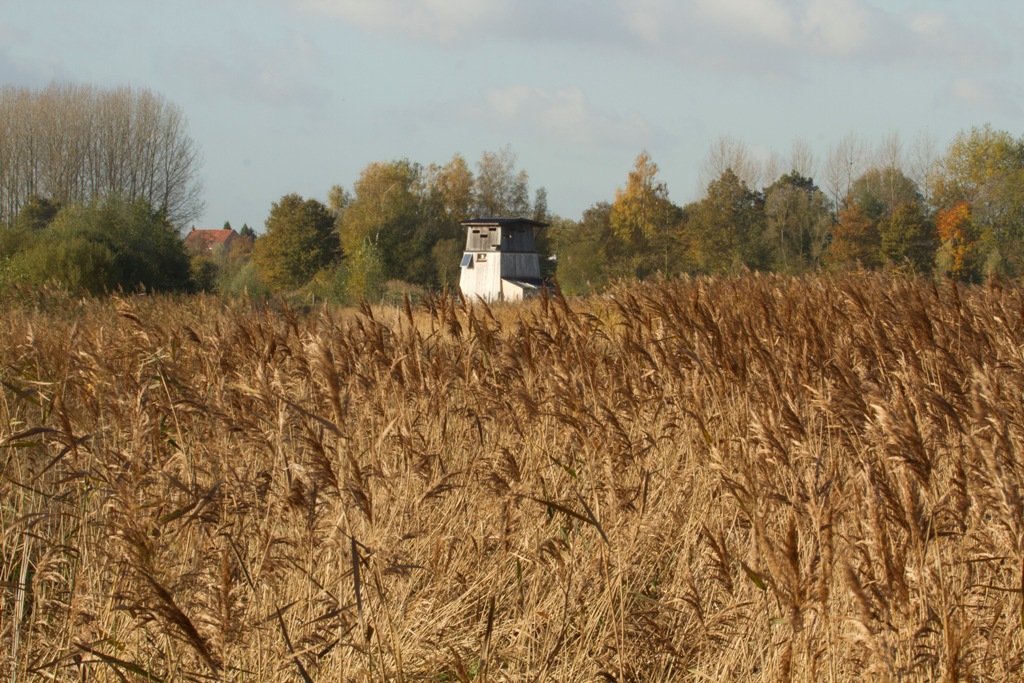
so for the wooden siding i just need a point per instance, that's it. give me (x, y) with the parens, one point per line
(517, 238)
(482, 277)
(483, 238)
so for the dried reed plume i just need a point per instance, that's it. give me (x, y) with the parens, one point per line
(755, 479)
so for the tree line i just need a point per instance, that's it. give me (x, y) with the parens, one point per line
(959, 213)
(400, 223)
(94, 187)
(91, 200)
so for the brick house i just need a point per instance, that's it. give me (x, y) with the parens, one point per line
(206, 241)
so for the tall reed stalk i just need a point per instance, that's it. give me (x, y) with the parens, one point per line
(761, 478)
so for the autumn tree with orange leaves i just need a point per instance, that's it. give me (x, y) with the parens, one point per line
(958, 255)
(984, 169)
(855, 239)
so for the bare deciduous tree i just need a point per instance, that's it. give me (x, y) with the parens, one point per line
(72, 142)
(923, 159)
(725, 154)
(845, 162)
(802, 159)
(773, 167)
(889, 153)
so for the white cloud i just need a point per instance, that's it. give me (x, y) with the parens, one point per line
(562, 115)
(972, 92)
(645, 19)
(987, 95)
(839, 27)
(768, 20)
(961, 43)
(9, 33)
(928, 23)
(754, 36)
(442, 21)
(277, 74)
(19, 71)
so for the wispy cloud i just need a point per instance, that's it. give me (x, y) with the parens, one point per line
(960, 43)
(12, 73)
(987, 95)
(752, 36)
(763, 20)
(441, 21)
(843, 28)
(17, 72)
(249, 71)
(562, 115)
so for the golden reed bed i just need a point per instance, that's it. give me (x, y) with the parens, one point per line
(755, 479)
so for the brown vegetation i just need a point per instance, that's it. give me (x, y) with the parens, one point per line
(760, 478)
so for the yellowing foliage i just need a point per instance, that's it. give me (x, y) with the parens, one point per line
(642, 207)
(957, 234)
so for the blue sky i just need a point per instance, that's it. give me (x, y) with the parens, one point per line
(299, 95)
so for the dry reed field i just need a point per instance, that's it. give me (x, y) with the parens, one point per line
(752, 479)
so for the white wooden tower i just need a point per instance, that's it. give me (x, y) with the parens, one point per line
(501, 261)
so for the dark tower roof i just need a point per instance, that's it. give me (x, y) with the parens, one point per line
(502, 222)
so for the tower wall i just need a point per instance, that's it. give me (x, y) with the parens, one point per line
(482, 279)
(520, 265)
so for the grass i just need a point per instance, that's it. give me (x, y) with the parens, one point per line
(756, 479)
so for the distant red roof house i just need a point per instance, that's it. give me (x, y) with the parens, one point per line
(205, 241)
